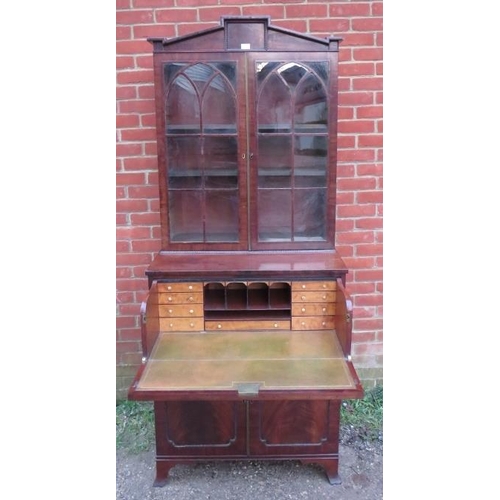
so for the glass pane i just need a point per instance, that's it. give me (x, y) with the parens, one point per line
(184, 170)
(219, 108)
(228, 69)
(182, 109)
(263, 69)
(274, 109)
(170, 70)
(221, 162)
(321, 69)
(275, 160)
(309, 218)
(274, 215)
(310, 160)
(310, 106)
(222, 216)
(292, 73)
(199, 74)
(185, 216)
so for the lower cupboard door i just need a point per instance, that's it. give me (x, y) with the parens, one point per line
(294, 427)
(200, 428)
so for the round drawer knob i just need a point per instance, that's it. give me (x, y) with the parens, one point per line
(169, 288)
(303, 286)
(219, 326)
(303, 297)
(170, 299)
(191, 325)
(190, 287)
(324, 297)
(324, 285)
(303, 309)
(324, 309)
(323, 323)
(170, 311)
(275, 325)
(191, 311)
(303, 323)
(171, 325)
(191, 299)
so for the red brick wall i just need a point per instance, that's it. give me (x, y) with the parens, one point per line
(359, 213)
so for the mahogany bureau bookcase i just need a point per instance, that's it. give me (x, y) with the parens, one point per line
(246, 329)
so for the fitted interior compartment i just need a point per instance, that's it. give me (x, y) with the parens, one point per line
(247, 300)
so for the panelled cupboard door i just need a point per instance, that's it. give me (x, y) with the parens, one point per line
(201, 428)
(247, 150)
(246, 428)
(294, 427)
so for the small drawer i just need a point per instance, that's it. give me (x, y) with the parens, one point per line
(313, 296)
(181, 324)
(180, 298)
(180, 311)
(180, 287)
(313, 285)
(247, 325)
(313, 309)
(313, 323)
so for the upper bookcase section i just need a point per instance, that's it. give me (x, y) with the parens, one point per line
(245, 33)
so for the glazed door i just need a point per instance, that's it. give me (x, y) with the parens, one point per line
(238, 118)
(293, 141)
(204, 183)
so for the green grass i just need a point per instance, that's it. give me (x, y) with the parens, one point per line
(134, 426)
(135, 420)
(365, 415)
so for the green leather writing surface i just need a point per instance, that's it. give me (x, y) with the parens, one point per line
(225, 360)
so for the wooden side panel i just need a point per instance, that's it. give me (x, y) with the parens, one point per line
(200, 428)
(150, 320)
(343, 318)
(294, 427)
